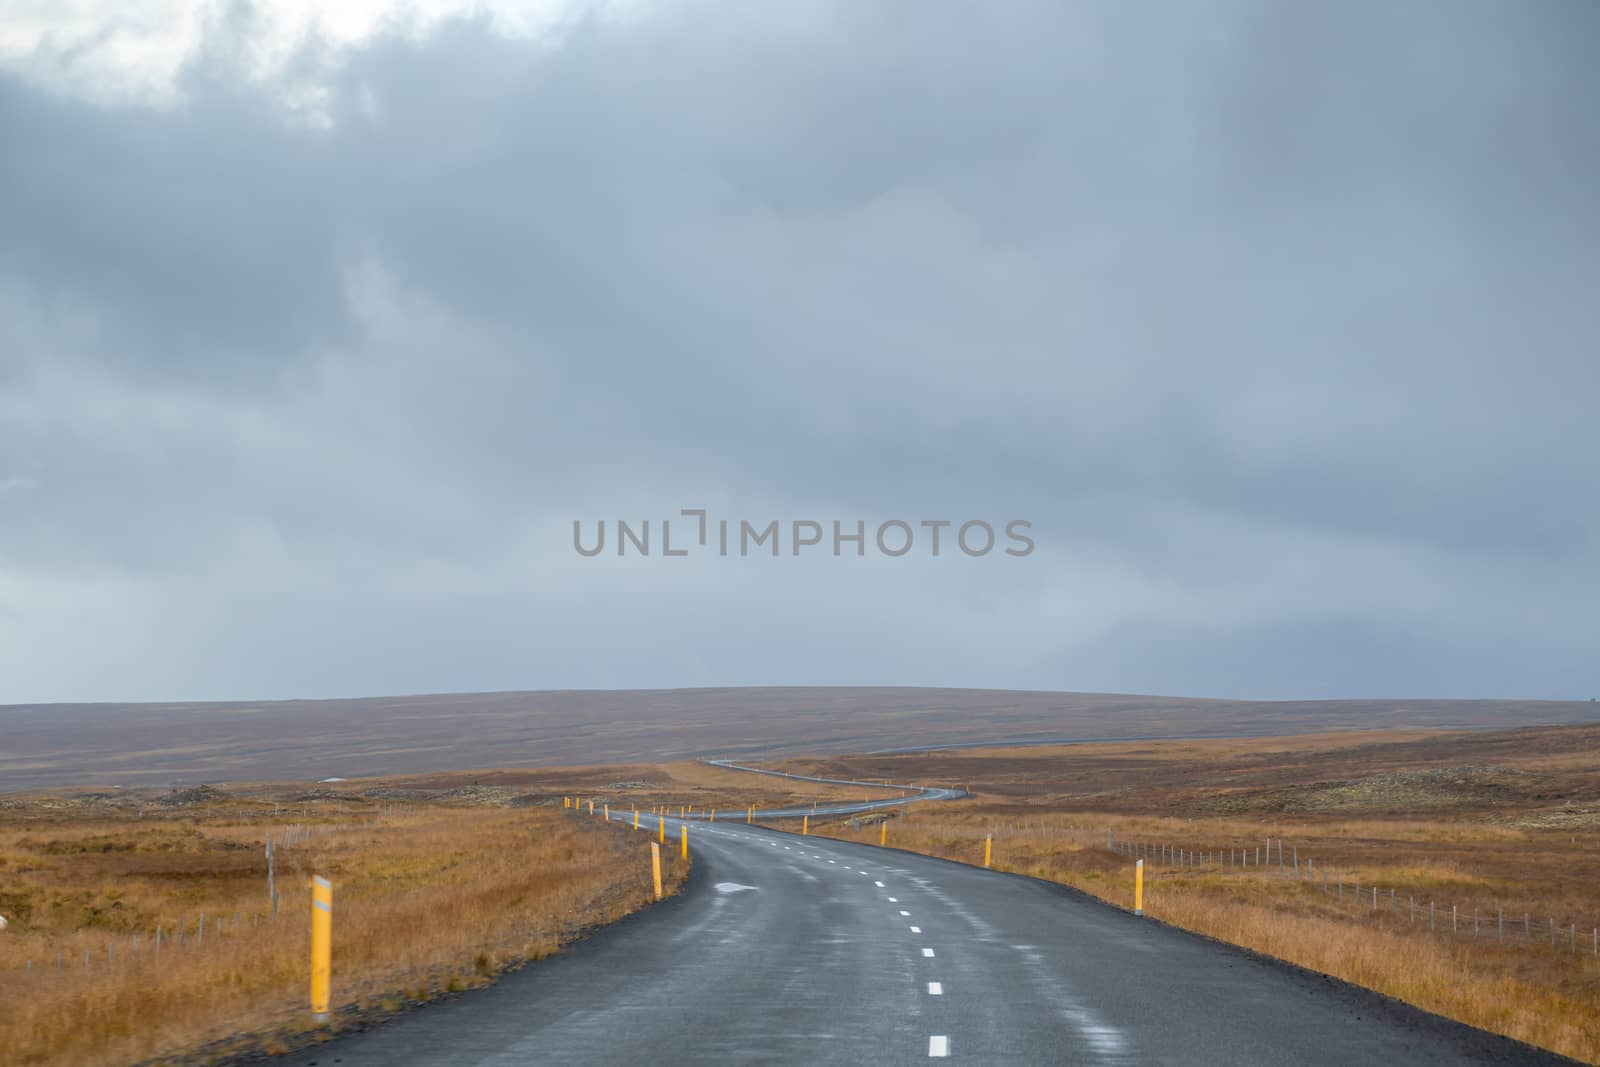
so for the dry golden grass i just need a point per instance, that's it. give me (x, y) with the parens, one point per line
(1499, 826)
(431, 899)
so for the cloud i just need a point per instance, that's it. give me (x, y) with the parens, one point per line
(1273, 357)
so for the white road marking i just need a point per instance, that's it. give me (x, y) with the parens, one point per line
(928, 952)
(847, 867)
(1106, 1040)
(734, 887)
(878, 884)
(894, 900)
(916, 929)
(904, 912)
(935, 989)
(938, 1045)
(833, 861)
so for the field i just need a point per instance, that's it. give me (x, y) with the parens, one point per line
(165, 745)
(141, 929)
(441, 881)
(1483, 849)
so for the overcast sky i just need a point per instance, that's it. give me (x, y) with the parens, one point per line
(1277, 321)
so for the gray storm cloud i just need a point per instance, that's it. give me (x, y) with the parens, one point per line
(1277, 322)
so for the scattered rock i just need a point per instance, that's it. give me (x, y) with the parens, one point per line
(1435, 789)
(200, 794)
(486, 796)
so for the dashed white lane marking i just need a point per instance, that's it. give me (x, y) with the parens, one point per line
(928, 952)
(935, 989)
(878, 884)
(938, 1045)
(847, 867)
(904, 912)
(916, 929)
(734, 887)
(833, 861)
(894, 900)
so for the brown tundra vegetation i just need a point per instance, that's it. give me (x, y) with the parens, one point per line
(1495, 834)
(431, 895)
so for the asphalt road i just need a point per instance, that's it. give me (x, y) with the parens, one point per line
(790, 949)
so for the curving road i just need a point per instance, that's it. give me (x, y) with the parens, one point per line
(917, 793)
(790, 949)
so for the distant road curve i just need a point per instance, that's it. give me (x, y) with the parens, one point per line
(791, 949)
(920, 793)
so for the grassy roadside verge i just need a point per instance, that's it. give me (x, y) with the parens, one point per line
(429, 899)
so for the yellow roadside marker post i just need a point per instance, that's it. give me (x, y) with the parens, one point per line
(608, 813)
(566, 802)
(749, 814)
(635, 818)
(591, 807)
(683, 840)
(883, 832)
(655, 866)
(663, 829)
(1138, 888)
(321, 945)
(713, 814)
(988, 843)
(805, 825)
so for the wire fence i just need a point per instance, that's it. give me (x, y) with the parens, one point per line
(187, 933)
(1275, 857)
